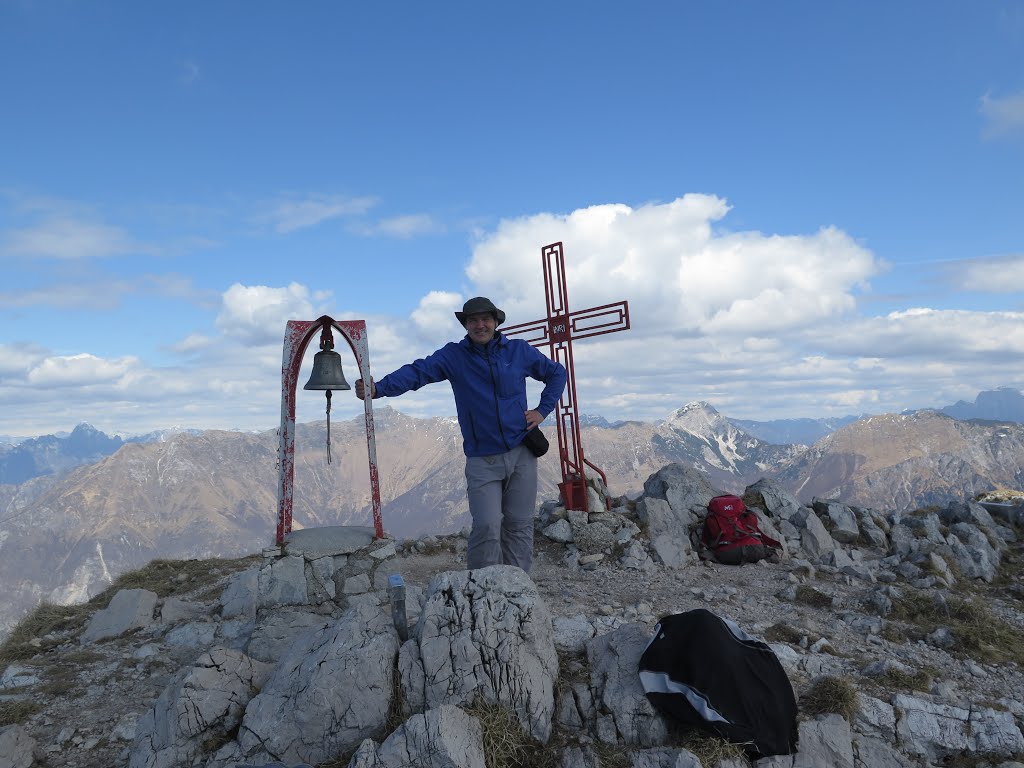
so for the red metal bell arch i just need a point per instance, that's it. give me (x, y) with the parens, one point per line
(297, 335)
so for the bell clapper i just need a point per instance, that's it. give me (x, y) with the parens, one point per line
(328, 426)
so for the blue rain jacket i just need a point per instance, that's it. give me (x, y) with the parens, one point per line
(489, 384)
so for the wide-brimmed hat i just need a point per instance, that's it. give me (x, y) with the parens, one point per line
(479, 304)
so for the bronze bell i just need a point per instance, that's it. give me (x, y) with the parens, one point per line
(327, 373)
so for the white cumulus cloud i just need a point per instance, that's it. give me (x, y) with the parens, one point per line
(257, 314)
(80, 370)
(676, 272)
(434, 317)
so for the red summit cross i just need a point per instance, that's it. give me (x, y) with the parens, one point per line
(557, 331)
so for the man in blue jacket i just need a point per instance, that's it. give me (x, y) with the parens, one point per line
(487, 372)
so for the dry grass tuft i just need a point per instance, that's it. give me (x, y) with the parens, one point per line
(812, 597)
(783, 633)
(397, 704)
(711, 750)
(506, 742)
(168, 578)
(977, 633)
(164, 577)
(25, 641)
(828, 695)
(921, 680)
(15, 711)
(610, 755)
(981, 760)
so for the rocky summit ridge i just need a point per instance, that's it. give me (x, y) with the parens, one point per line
(902, 635)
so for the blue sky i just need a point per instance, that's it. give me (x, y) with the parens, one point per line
(813, 209)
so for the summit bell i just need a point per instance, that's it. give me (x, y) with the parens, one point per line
(327, 373)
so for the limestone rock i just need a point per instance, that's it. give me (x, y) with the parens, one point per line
(844, 522)
(283, 582)
(664, 757)
(279, 629)
(933, 729)
(129, 609)
(875, 717)
(967, 512)
(972, 552)
(773, 498)
(815, 540)
(572, 633)
(205, 701)
(623, 713)
(486, 633)
(559, 531)
(668, 530)
(16, 747)
(173, 610)
(239, 597)
(684, 488)
(309, 709)
(19, 676)
(871, 752)
(825, 741)
(445, 736)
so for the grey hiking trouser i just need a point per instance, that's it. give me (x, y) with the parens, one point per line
(502, 493)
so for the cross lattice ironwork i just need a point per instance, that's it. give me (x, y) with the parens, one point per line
(557, 332)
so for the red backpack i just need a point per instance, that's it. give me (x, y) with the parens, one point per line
(730, 524)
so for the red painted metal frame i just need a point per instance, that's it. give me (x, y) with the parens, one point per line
(296, 338)
(557, 331)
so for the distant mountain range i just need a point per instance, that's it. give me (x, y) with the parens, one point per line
(57, 454)
(1003, 404)
(53, 455)
(907, 461)
(64, 535)
(793, 431)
